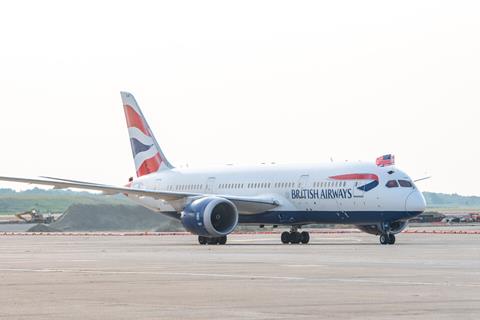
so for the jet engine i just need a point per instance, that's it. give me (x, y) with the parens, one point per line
(378, 229)
(210, 217)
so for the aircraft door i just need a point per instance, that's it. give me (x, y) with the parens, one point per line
(209, 186)
(303, 181)
(305, 203)
(358, 193)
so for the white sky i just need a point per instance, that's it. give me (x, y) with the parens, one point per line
(242, 82)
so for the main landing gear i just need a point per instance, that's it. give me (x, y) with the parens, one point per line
(387, 238)
(295, 237)
(214, 240)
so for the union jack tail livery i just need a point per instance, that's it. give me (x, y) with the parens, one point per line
(147, 154)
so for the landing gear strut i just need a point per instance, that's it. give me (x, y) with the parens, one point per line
(295, 237)
(214, 240)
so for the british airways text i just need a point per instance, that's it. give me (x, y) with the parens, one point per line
(321, 193)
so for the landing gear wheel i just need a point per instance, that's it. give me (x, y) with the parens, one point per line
(202, 240)
(295, 238)
(222, 240)
(391, 239)
(304, 237)
(384, 239)
(285, 237)
(212, 240)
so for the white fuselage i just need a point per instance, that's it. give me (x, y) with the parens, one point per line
(333, 193)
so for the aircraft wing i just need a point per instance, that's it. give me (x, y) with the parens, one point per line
(245, 205)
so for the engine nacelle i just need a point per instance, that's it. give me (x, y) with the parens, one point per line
(377, 229)
(210, 217)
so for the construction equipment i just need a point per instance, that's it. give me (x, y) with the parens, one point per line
(33, 216)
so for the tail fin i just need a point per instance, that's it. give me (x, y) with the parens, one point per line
(146, 152)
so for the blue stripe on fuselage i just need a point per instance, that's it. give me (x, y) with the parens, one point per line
(329, 217)
(320, 217)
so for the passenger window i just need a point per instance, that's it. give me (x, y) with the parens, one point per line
(405, 183)
(392, 184)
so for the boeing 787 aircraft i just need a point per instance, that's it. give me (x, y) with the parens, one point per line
(376, 197)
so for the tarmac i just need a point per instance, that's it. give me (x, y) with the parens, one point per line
(336, 276)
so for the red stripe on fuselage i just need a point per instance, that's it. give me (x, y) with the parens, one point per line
(134, 119)
(150, 165)
(356, 176)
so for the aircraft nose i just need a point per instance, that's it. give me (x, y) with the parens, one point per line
(415, 202)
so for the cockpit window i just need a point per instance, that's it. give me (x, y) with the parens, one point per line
(405, 183)
(392, 184)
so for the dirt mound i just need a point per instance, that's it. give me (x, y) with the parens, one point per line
(42, 228)
(86, 217)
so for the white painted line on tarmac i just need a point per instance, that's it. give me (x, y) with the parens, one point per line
(409, 283)
(245, 276)
(304, 265)
(214, 275)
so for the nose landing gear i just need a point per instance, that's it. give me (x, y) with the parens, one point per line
(387, 237)
(295, 237)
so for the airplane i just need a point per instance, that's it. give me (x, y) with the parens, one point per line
(377, 198)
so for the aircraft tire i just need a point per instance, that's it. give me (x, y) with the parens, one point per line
(305, 237)
(391, 239)
(212, 241)
(202, 240)
(222, 240)
(285, 237)
(384, 239)
(295, 238)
